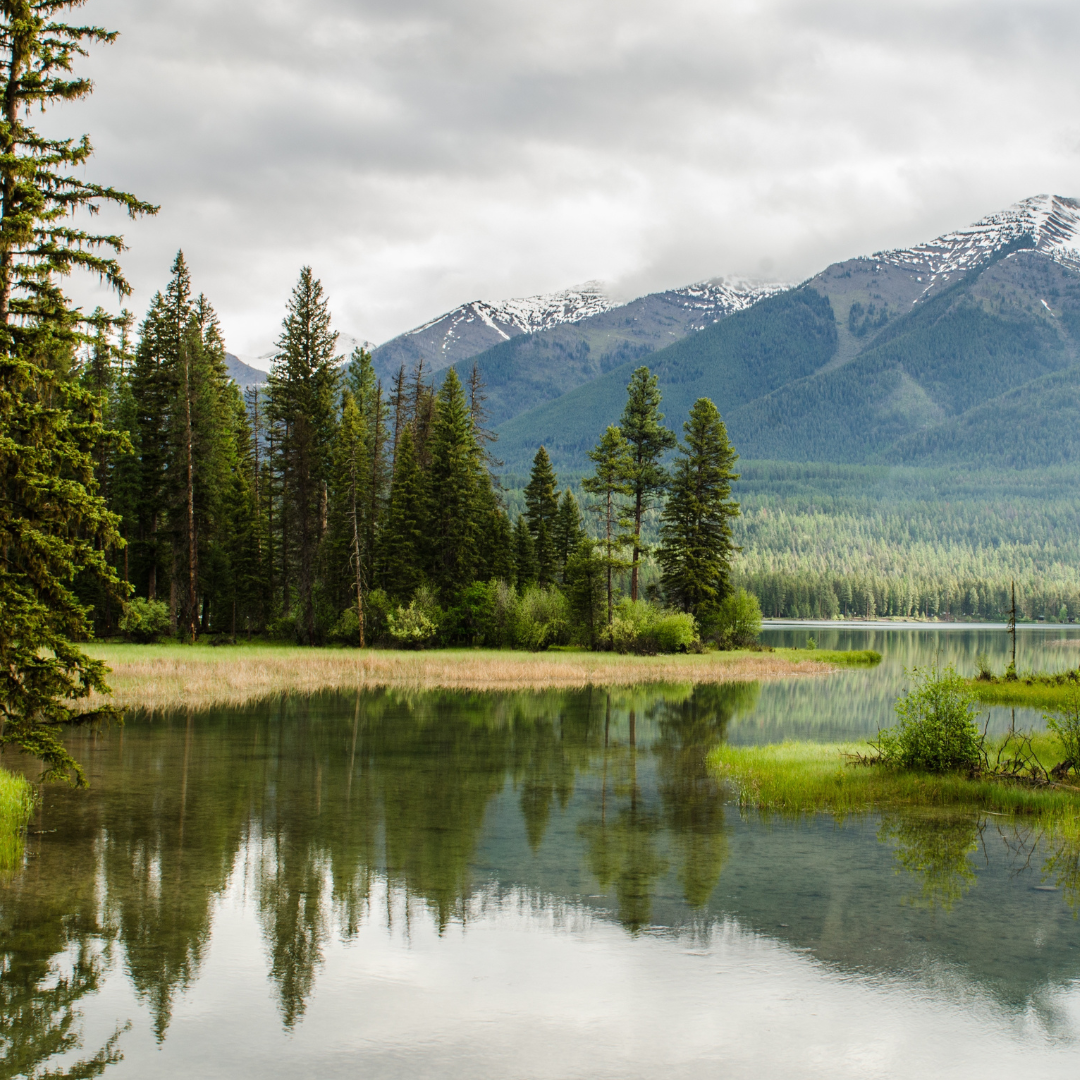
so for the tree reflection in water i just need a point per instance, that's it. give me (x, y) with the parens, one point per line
(315, 806)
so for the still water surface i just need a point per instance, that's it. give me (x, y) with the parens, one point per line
(532, 885)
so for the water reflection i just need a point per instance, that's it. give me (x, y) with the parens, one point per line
(316, 820)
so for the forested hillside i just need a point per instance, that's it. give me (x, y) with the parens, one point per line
(981, 371)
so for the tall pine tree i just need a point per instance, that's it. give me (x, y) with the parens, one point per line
(642, 427)
(303, 393)
(542, 510)
(609, 487)
(696, 546)
(54, 525)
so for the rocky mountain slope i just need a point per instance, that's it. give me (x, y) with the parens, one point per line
(476, 326)
(965, 349)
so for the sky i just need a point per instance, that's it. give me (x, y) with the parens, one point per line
(419, 154)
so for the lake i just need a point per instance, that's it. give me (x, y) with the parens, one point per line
(533, 885)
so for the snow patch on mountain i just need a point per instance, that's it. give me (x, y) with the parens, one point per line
(522, 315)
(713, 300)
(1046, 223)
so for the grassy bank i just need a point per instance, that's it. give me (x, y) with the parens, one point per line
(179, 676)
(804, 777)
(1032, 691)
(16, 805)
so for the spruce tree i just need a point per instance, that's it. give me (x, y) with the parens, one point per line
(525, 568)
(453, 493)
(609, 486)
(348, 531)
(404, 537)
(303, 393)
(696, 546)
(54, 525)
(542, 509)
(569, 530)
(642, 427)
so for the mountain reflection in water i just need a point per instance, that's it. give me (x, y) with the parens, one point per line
(220, 855)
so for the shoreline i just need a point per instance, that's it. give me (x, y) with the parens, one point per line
(161, 677)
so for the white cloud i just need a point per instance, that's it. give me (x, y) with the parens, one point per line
(423, 153)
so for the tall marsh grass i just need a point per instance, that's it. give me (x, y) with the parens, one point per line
(177, 676)
(17, 801)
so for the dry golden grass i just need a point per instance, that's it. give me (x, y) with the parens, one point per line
(173, 676)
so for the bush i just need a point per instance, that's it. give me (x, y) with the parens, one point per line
(471, 621)
(937, 731)
(283, 628)
(347, 629)
(737, 623)
(986, 672)
(418, 624)
(1067, 728)
(542, 619)
(641, 627)
(145, 620)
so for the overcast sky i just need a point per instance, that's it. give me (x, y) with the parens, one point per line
(420, 153)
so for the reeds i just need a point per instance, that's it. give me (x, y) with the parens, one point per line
(158, 677)
(17, 801)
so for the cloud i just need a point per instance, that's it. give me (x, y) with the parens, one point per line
(422, 153)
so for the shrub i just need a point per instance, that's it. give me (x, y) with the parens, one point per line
(417, 625)
(283, 628)
(542, 618)
(1067, 728)
(347, 629)
(937, 729)
(737, 622)
(145, 620)
(472, 619)
(641, 627)
(986, 673)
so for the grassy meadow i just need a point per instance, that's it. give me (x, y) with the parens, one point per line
(17, 801)
(170, 676)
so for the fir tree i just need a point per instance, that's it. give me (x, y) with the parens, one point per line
(542, 508)
(585, 587)
(453, 490)
(404, 538)
(525, 569)
(349, 529)
(54, 525)
(569, 530)
(648, 439)
(609, 486)
(696, 546)
(303, 393)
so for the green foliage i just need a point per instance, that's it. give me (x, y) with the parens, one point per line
(737, 623)
(696, 539)
(647, 441)
(17, 802)
(417, 625)
(145, 620)
(542, 618)
(586, 576)
(642, 627)
(542, 510)
(1066, 726)
(936, 730)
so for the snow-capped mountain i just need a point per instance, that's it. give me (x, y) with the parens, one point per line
(1048, 223)
(710, 301)
(477, 325)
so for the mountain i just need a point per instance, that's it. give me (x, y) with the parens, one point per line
(244, 375)
(476, 326)
(530, 369)
(965, 349)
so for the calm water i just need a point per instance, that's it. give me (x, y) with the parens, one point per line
(532, 885)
